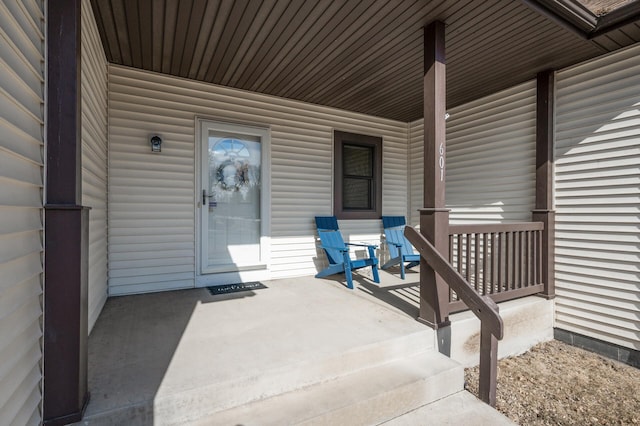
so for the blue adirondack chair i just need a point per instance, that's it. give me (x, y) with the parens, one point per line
(338, 252)
(400, 249)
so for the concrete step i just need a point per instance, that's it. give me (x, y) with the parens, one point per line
(365, 397)
(173, 406)
(459, 409)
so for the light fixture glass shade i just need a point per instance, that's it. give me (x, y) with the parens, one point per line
(156, 144)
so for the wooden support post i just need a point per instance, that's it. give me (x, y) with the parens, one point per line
(66, 224)
(488, 366)
(544, 176)
(488, 380)
(434, 217)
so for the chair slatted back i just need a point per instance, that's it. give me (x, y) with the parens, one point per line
(330, 236)
(394, 233)
(393, 221)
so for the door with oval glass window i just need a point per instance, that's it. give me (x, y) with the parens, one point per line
(233, 201)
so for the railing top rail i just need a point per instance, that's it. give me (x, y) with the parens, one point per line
(483, 307)
(483, 228)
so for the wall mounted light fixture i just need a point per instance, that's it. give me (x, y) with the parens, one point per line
(156, 144)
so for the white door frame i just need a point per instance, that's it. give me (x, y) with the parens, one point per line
(239, 274)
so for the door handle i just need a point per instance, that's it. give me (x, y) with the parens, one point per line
(206, 199)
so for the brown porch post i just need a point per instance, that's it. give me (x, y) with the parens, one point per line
(544, 177)
(434, 217)
(66, 230)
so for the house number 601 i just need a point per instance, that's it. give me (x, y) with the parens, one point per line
(441, 162)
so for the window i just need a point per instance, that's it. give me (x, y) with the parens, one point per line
(358, 176)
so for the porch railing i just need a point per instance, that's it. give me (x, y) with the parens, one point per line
(502, 261)
(491, 326)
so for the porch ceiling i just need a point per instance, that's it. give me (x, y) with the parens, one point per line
(363, 56)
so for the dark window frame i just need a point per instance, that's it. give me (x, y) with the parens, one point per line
(340, 139)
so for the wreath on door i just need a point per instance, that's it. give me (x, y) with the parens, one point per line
(232, 175)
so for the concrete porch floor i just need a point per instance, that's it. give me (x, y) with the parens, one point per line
(212, 350)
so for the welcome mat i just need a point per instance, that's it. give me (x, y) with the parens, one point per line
(235, 288)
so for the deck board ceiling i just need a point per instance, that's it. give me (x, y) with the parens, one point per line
(364, 56)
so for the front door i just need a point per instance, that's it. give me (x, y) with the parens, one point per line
(232, 197)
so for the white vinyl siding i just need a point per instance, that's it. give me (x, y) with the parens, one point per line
(490, 158)
(152, 196)
(597, 183)
(21, 185)
(94, 158)
(416, 171)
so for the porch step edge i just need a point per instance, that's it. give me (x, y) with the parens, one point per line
(292, 377)
(459, 409)
(368, 396)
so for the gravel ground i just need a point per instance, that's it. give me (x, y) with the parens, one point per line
(558, 384)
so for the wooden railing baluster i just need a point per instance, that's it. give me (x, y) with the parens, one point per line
(512, 260)
(539, 256)
(485, 256)
(500, 262)
(525, 258)
(494, 262)
(460, 257)
(517, 256)
(451, 249)
(468, 256)
(476, 266)
(527, 262)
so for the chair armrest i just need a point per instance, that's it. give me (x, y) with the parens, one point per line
(395, 244)
(362, 245)
(343, 249)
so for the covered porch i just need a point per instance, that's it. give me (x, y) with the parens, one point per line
(185, 355)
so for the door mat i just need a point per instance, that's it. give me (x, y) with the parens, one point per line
(235, 288)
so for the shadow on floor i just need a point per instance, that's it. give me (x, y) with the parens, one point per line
(403, 295)
(134, 342)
